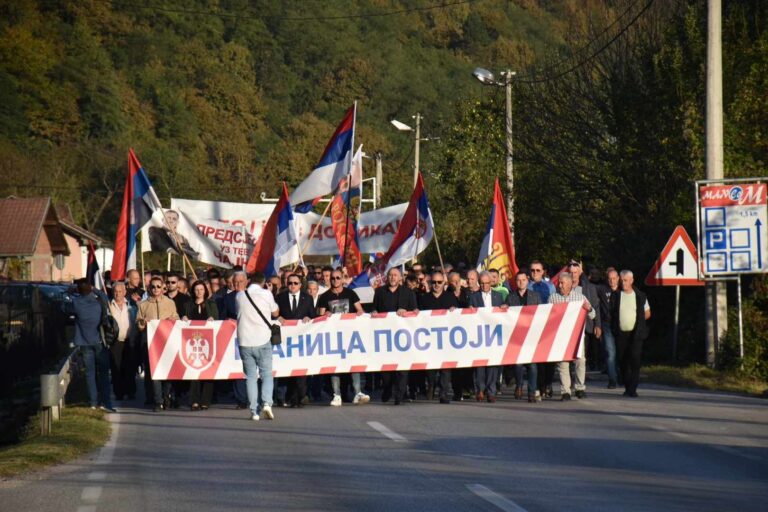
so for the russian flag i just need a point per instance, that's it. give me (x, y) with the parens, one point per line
(413, 236)
(277, 239)
(334, 166)
(497, 250)
(139, 202)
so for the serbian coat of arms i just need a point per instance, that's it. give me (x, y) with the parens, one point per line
(198, 350)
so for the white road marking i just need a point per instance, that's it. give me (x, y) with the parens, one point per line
(108, 451)
(495, 499)
(628, 418)
(732, 451)
(384, 430)
(91, 494)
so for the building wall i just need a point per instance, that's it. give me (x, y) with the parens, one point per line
(73, 264)
(42, 260)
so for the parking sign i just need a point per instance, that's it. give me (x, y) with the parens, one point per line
(732, 228)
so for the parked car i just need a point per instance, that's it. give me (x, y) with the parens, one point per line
(36, 326)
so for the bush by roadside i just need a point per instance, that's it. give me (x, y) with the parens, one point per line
(80, 430)
(703, 377)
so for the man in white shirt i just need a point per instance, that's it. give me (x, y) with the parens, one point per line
(253, 335)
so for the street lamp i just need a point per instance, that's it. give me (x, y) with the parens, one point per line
(487, 78)
(417, 138)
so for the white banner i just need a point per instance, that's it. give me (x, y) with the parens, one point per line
(221, 233)
(377, 342)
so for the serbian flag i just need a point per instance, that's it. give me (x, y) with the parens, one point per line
(497, 250)
(139, 202)
(413, 236)
(333, 167)
(277, 239)
(92, 271)
(345, 210)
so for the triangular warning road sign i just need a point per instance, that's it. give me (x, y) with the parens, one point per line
(677, 265)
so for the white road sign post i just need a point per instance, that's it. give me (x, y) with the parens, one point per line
(676, 266)
(732, 227)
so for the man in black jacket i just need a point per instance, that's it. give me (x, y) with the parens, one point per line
(438, 298)
(525, 297)
(629, 315)
(295, 304)
(394, 297)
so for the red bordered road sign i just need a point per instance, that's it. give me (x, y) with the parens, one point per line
(677, 265)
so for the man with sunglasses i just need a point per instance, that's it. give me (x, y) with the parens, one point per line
(295, 304)
(175, 293)
(397, 298)
(545, 288)
(438, 298)
(339, 299)
(156, 307)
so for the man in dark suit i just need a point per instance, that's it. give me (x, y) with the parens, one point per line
(438, 298)
(525, 297)
(486, 378)
(394, 297)
(295, 304)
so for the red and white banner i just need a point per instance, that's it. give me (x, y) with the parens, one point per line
(376, 342)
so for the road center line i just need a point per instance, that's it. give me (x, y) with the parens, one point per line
(97, 475)
(91, 494)
(733, 451)
(375, 425)
(628, 418)
(495, 499)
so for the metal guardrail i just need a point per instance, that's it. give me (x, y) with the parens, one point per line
(53, 389)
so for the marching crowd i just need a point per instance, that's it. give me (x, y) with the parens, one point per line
(617, 315)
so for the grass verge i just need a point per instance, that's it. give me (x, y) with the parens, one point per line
(80, 430)
(703, 377)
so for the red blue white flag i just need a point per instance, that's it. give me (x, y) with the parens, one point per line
(333, 167)
(139, 203)
(497, 250)
(413, 236)
(276, 241)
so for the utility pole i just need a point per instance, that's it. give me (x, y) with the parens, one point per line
(508, 74)
(417, 117)
(716, 299)
(379, 177)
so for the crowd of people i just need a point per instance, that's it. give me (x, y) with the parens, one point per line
(617, 316)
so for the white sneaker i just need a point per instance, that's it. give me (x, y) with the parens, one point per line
(361, 398)
(255, 417)
(336, 402)
(266, 413)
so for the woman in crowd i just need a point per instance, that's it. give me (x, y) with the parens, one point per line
(200, 308)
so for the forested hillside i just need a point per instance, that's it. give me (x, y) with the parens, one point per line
(221, 99)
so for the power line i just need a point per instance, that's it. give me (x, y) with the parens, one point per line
(588, 44)
(591, 56)
(240, 15)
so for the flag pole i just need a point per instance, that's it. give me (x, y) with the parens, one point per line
(302, 250)
(349, 189)
(437, 244)
(141, 243)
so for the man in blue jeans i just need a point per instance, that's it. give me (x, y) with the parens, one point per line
(253, 336)
(88, 316)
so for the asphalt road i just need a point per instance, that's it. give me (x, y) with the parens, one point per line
(667, 450)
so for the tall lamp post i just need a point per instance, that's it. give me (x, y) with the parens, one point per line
(487, 78)
(417, 139)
